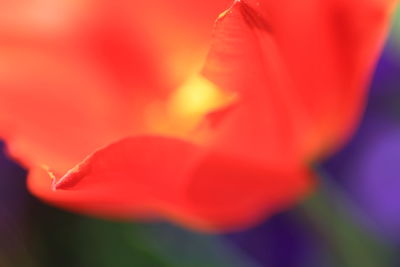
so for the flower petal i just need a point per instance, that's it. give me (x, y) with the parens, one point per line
(56, 114)
(231, 193)
(179, 30)
(131, 39)
(94, 31)
(306, 63)
(135, 176)
(76, 75)
(153, 176)
(242, 60)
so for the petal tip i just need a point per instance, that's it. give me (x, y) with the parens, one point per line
(249, 14)
(71, 178)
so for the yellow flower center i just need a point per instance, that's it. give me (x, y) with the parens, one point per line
(182, 114)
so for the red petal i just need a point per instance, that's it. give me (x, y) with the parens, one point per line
(153, 176)
(56, 113)
(94, 31)
(302, 65)
(134, 177)
(75, 75)
(248, 62)
(178, 29)
(134, 40)
(229, 193)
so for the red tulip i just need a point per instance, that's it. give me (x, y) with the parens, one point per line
(123, 91)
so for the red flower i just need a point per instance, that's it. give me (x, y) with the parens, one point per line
(161, 130)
